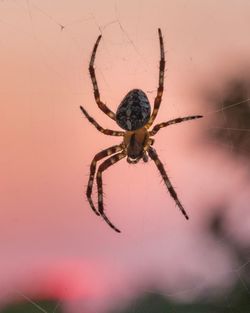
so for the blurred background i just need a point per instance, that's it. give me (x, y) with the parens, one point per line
(56, 255)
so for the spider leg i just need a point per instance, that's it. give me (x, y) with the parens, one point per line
(100, 104)
(157, 127)
(158, 98)
(100, 128)
(153, 155)
(98, 156)
(105, 165)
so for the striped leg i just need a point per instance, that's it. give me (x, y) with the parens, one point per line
(157, 127)
(100, 104)
(153, 155)
(105, 165)
(98, 127)
(98, 156)
(158, 98)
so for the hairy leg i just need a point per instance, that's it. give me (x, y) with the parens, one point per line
(100, 104)
(100, 128)
(98, 156)
(105, 165)
(157, 127)
(153, 155)
(158, 98)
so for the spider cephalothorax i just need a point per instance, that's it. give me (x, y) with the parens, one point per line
(134, 116)
(136, 144)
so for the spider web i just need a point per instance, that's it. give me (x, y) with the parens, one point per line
(224, 130)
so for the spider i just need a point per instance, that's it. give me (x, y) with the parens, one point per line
(134, 116)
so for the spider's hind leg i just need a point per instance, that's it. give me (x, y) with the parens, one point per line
(153, 155)
(105, 165)
(98, 157)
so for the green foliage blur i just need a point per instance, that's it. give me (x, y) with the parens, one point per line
(238, 301)
(45, 306)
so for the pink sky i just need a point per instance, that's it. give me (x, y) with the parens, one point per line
(47, 146)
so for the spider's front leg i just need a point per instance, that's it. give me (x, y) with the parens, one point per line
(105, 165)
(100, 104)
(98, 157)
(158, 98)
(153, 155)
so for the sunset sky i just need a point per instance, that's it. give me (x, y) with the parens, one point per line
(51, 242)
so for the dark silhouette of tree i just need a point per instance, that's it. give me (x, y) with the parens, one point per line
(233, 127)
(236, 300)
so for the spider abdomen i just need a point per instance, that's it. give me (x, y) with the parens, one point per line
(134, 110)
